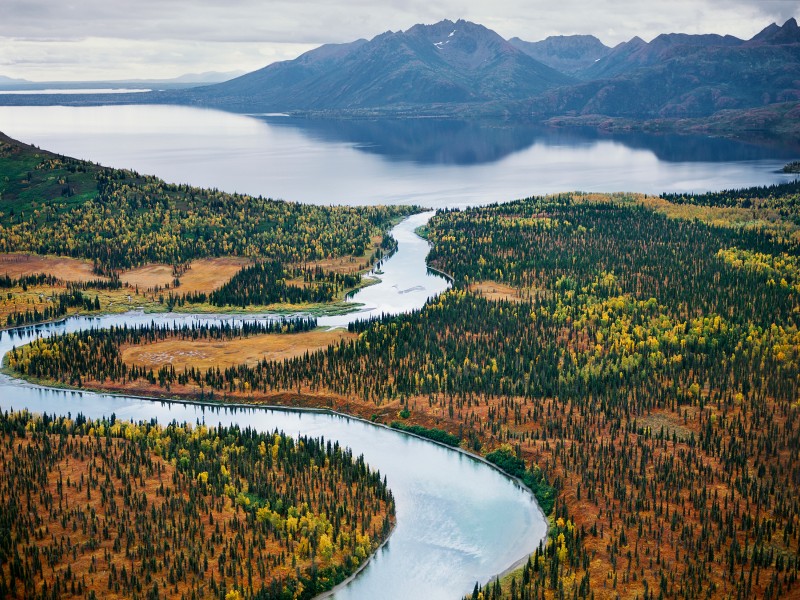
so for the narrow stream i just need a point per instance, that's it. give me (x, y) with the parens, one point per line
(458, 520)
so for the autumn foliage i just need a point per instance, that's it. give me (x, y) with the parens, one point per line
(111, 509)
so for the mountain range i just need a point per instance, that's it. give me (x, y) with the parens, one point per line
(464, 68)
(445, 63)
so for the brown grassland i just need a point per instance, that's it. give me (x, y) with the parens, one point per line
(493, 290)
(207, 274)
(149, 276)
(204, 354)
(17, 264)
(202, 275)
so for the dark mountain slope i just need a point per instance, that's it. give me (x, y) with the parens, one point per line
(693, 79)
(775, 35)
(566, 53)
(447, 62)
(637, 53)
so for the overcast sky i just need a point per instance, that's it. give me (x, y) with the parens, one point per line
(46, 40)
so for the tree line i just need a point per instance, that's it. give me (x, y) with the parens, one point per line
(98, 507)
(777, 195)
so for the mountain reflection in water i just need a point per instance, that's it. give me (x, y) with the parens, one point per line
(456, 142)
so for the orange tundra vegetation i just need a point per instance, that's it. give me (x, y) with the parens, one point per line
(647, 374)
(113, 509)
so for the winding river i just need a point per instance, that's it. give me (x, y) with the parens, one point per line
(458, 520)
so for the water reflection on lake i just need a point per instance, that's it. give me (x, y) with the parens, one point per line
(436, 163)
(456, 142)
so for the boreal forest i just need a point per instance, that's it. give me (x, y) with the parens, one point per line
(633, 360)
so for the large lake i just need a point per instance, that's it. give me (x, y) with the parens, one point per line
(435, 163)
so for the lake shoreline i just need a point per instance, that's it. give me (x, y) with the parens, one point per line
(433, 162)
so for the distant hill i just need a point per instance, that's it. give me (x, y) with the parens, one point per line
(445, 63)
(566, 53)
(182, 81)
(204, 77)
(6, 80)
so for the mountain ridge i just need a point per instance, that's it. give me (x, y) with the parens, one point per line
(447, 62)
(566, 53)
(681, 76)
(463, 69)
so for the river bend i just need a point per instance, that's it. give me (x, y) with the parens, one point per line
(458, 520)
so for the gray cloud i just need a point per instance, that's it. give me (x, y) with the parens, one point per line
(155, 38)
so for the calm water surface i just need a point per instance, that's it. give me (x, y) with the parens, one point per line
(430, 162)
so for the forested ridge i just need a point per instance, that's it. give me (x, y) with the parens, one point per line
(107, 508)
(55, 206)
(648, 372)
(125, 219)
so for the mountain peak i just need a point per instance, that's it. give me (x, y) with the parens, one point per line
(446, 62)
(446, 27)
(774, 34)
(565, 53)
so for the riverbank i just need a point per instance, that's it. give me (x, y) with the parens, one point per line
(304, 402)
(206, 490)
(446, 580)
(128, 298)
